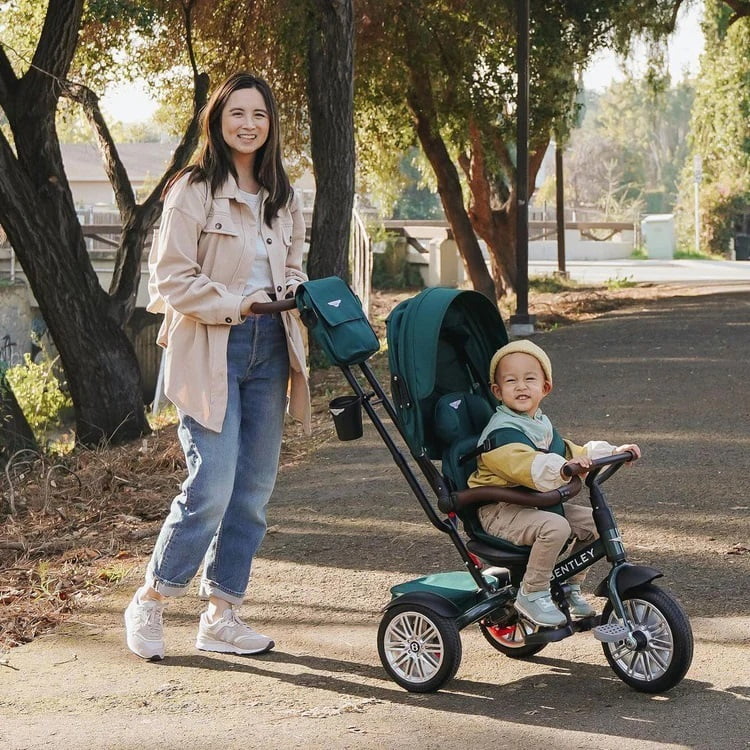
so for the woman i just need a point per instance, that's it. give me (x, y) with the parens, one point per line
(231, 236)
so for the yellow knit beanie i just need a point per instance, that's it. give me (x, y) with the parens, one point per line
(526, 347)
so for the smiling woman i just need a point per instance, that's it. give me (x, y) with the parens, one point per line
(231, 236)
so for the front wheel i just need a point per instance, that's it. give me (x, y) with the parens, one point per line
(664, 650)
(420, 649)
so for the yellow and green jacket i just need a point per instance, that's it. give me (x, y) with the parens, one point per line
(529, 452)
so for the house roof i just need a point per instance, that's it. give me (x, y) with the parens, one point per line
(83, 161)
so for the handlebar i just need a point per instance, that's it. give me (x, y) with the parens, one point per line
(614, 461)
(277, 306)
(457, 501)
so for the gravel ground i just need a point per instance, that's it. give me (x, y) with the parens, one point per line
(670, 374)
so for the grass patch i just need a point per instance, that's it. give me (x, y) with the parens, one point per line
(696, 255)
(551, 284)
(619, 282)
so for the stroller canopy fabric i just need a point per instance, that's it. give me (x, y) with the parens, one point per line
(439, 342)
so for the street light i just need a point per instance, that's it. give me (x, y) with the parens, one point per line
(522, 324)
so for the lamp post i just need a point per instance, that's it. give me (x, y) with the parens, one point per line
(522, 324)
(697, 177)
(560, 211)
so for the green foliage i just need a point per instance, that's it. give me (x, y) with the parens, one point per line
(551, 284)
(38, 393)
(692, 254)
(391, 268)
(632, 145)
(620, 282)
(639, 253)
(417, 199)
(720, 133)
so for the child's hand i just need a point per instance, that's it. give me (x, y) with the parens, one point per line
(632, 447)
(583, 461)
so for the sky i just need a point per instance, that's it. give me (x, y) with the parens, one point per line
(131, 103)
(685, 47)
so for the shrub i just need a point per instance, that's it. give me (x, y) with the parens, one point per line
(38, 393)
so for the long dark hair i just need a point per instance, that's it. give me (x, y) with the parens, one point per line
(214, 161)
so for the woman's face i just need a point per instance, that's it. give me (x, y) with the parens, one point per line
(245, 123)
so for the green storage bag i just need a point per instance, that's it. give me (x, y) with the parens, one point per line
(334, 315)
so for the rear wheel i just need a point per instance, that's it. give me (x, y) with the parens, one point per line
(420, 649)
(511, 639)
(664, 650)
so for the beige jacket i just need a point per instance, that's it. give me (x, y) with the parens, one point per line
(197, 272)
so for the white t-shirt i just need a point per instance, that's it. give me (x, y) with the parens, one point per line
(260, 274)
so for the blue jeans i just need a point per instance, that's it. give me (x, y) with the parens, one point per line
(219, 517)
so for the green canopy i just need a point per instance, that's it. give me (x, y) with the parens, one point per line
(439, 342)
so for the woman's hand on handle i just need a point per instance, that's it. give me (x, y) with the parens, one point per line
(261, 308)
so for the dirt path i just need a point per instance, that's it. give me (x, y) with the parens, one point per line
(671, 374)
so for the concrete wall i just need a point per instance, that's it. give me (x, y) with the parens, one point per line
(16, 320)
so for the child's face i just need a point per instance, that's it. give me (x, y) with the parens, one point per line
(520, 383)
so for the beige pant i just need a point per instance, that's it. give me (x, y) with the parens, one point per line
(547, 533)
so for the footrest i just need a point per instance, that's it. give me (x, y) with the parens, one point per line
(548, 635)
(610, 632)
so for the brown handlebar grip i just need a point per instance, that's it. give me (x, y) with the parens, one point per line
(265, 308)
(570, 470)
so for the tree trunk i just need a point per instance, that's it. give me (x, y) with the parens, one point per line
(496, 225)
(38, 215)
(99, 361)
(15, 433)
(330, 96)
(37, 212)
(419, 98)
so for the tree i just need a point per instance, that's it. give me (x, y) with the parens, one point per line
(449, 67)
(630, 147)
(38, 215)
(719, 128)
(330, 94)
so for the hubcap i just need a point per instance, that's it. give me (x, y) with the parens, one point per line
(413, 647)
(652, 655)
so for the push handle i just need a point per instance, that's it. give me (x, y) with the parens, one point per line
(277, 306)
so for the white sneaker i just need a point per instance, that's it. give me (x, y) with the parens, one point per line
(144, 628)
(229, 635)
(579, 607)
(539, 608)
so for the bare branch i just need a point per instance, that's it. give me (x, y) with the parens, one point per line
(675, 11)
(113, 165)
(187, 9)
(188, 143)
(137, 224)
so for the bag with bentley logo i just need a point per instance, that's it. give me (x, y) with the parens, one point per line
(334, 315)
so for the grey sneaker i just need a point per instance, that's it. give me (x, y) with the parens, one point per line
(144, 628)
(229, 635)
(579, 607)
(539, 608)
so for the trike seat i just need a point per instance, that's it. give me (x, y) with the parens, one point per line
(459, 421)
